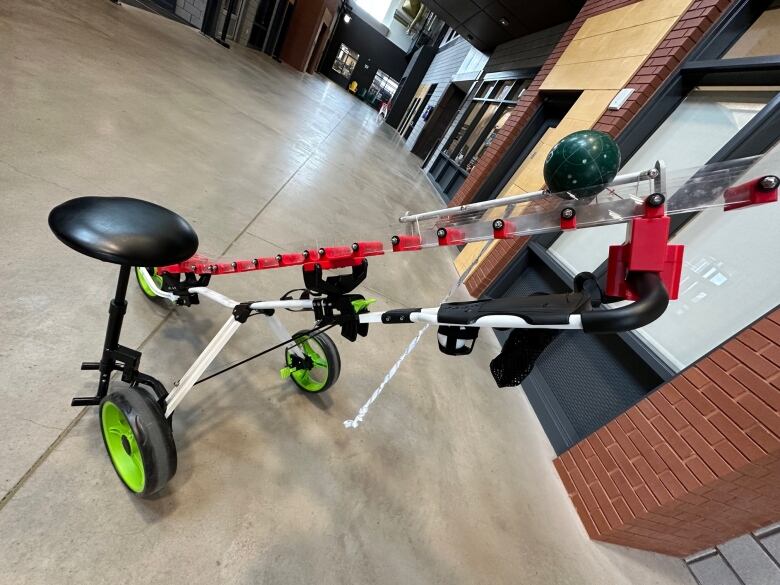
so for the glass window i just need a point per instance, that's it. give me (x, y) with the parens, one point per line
(345, 61)
(761, 39)
(484, 90)
(376, 8)
(476, 132)
(728, 281)
(473, 111)
(488, 112)
(706, 120)
(518, 89)
(382, 87)
(490, 137)
(502, 89)
(451, 35)
(410, 111)
(725, 283)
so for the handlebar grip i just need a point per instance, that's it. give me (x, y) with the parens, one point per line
(652, 303)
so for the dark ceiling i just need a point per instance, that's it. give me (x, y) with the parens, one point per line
(480, 21)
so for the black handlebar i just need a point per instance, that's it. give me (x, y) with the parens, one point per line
(652, 303)
(557, 309)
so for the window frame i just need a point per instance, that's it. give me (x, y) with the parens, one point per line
(382, 85)
(352, 54)
(449, 37)
(492, 83)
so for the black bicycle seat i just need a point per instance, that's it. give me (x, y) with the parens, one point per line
(123, 230)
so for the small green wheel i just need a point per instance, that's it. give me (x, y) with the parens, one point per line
(139, 440)
(145, 288)
(320, 367)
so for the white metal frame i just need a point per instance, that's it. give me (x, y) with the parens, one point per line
(231, 326)
(223, 336)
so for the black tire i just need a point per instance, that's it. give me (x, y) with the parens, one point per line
(324, 346)
(145, 437)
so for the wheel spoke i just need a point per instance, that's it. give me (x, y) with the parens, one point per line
(319, 362)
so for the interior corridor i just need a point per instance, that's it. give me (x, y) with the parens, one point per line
(451, 482)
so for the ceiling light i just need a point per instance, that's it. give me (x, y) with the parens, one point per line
(347, 17)
(503, 21)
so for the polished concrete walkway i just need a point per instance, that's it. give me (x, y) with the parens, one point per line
(448, 481)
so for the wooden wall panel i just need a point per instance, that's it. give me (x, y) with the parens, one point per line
(632, 15)
(627, 42)
(612, 74)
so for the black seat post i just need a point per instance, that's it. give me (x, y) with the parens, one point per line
(116, 314)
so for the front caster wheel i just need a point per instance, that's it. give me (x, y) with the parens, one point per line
(319, 365)
(139, 440)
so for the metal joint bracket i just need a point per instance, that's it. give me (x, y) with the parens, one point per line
(242, 311)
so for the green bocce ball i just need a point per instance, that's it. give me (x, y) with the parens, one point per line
(581, 164)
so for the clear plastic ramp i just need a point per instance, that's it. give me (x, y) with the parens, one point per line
(728, 185)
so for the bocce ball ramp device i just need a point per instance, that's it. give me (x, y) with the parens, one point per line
(160, 247)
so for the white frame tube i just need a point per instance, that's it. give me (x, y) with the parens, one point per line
(430, 316)
(282, 333)
(223, 336)
(152, 285)
(199, 366)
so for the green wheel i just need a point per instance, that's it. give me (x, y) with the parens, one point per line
(321, 365)
(139, 440)
(156, 278)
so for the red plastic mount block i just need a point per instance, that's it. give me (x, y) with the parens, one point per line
(368, 249)
(290, 259)
(221, 268)
(197, 264)
(404, 243)
(245, 265)
(335, 252)
(267, 262)
(617, 270)
(750, 193)
(325, 264)
(504, 230)
(646, 250)
(569, 224)
(450, 236)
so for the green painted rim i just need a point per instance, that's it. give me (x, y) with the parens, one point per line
(122, 447)
(158, 280)
(312, 380)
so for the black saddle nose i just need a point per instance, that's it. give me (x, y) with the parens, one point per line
(123, 230)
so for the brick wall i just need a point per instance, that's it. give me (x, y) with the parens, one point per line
(695, 463)
(700, 15)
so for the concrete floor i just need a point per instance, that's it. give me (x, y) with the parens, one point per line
(448, 481)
